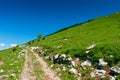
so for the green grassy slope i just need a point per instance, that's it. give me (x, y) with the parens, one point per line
(98, 31)
(12, 63)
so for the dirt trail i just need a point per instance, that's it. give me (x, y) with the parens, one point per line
(28, 71)
(50, 75)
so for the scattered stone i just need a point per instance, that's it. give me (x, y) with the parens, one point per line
(73, 63)
(65, 39)
(102, 63)
(111, 56)
(64, 68)
(100, 73)
(115, 69)
(3, 77)
(56, 56)
(59, 47)
(51, 65)
(85, 64)
(91, 46)
(63, 56)
(87, 52)
(1, 71)
(73, 71)
(112, 78)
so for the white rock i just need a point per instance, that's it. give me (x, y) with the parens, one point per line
(111, 56)
(13, 75)
(92, 74)
(64, 68)
(87, 52)
(65, 39)
(1, 70)
(73, 71)
(73, 63)
(56, 56)
(51, 65)
(91, 46)
(58, 47)
(63, 55)
(69, 58)
(79, 74)
(3, 76)
(102, 63)
(34, 48)
(98, 72)
(116, 69)
(85, 63)
(112, 78)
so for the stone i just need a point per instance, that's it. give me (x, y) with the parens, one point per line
(102, 63)
(73, 71)
(91, 46)
(56, 56)
(85, 64)
(115, 69)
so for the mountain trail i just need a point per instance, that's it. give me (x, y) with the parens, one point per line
(50, 74)
(28, 70)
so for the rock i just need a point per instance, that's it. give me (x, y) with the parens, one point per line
(79, 74)
(65, 39)
(34, 48)
(3, 77)
(73, 71)
(112, 78)
(87, 52)
(111, 56)
(100, 73)
(69, 59)
(102, 63)
(56, 56)
(59, 47)
(51, 65)
(64, 68)
(73, 63)
(1, 71)
(85, 64)
(93, 74)
(115, 69)
(63, 56)
(91, 46)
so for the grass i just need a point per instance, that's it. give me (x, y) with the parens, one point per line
(103, 31)
(40, 75)
(12, 65)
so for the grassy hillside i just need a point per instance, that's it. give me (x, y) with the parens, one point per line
(103, 30)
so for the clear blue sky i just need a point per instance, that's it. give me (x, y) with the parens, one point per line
(22, 20)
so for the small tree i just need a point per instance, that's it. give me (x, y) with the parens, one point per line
(39, 36)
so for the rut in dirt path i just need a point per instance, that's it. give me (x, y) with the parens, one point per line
(50, 75)
(28, 70)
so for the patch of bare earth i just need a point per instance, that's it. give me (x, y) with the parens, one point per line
(49, 73)
(28, 70)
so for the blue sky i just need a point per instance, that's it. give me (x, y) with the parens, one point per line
(22, 20)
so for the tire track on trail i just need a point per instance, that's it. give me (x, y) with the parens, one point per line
(49, 73)
(28, 70)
